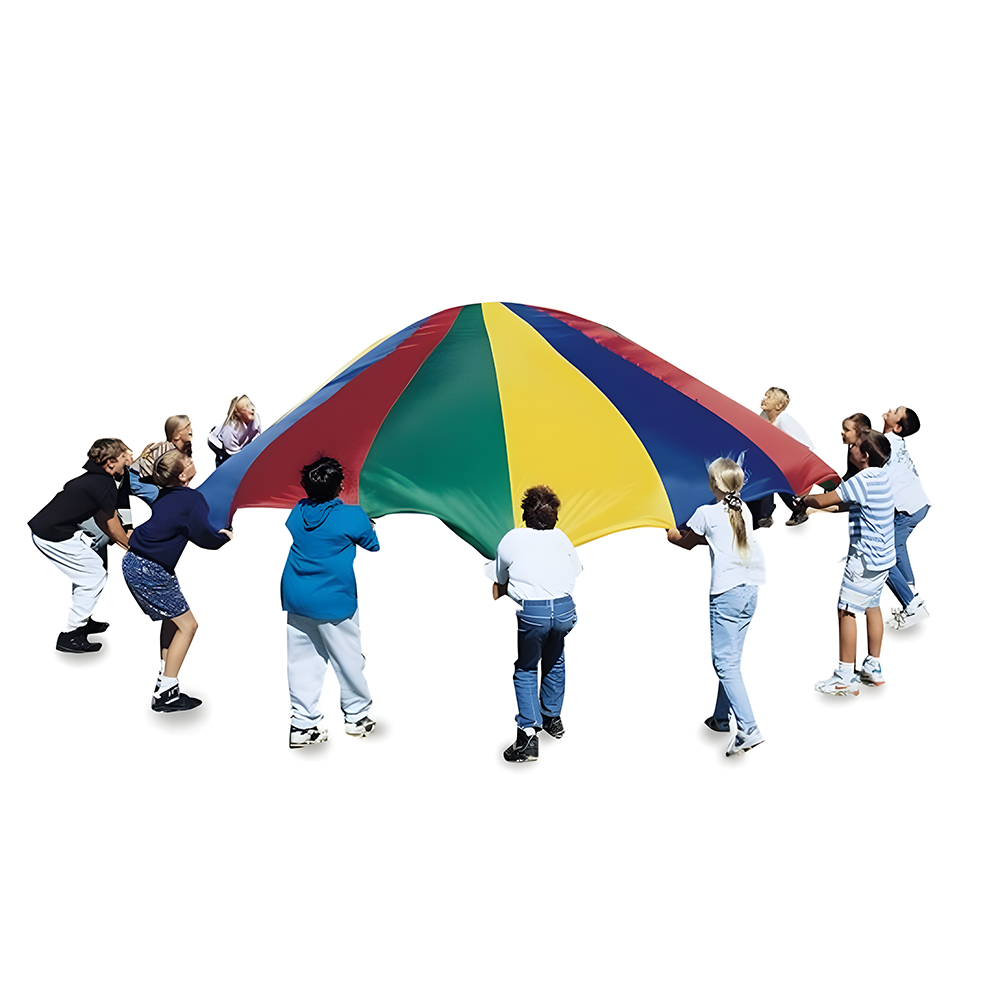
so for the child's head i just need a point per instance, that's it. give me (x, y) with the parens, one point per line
(775, 400)
(901, 421)
(541, 508)
(110, 453)
(871, 450)
(725, 479)
(177, 430)
(173, 468)
(241, 410)
(852, 425)
(323, 479)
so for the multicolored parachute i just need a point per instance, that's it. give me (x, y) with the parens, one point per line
(458, 414)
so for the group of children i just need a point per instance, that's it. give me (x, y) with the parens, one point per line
(536, 566)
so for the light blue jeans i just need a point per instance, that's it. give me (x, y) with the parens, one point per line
(729, 615)
(542, 627)
(900, 580)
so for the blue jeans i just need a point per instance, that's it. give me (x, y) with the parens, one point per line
(900, 580)
(729, 615)
(542, 627)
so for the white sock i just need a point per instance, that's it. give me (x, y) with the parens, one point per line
(164, 683)
(845, 671)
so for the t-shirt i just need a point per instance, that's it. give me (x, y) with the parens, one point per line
(871, 517)
(78, 500)
(537, 565)
(728, 568)
(793, 429)
(907, 491)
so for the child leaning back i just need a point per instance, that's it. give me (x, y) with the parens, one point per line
(870, 556)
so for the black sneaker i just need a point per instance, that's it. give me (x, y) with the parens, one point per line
(718, 725)
(764, 522)
(552, 724)
(172, 700)
(524, 747)
(76, 642)
(799, 517)
(90, 627)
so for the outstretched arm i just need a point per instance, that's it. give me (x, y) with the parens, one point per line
(685, 538)
(821, 500)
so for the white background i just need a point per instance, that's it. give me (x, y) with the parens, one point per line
(207, 199)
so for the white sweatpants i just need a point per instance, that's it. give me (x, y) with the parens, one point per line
(83, 566)
(314, 644)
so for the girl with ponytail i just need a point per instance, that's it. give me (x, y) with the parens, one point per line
(737, 571)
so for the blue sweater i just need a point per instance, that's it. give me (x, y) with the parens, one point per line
(318, 581)
(180, 515)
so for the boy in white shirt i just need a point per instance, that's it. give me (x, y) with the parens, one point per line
(911, 508)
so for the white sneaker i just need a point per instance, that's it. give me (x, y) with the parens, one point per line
(838, 686)
(906, 618)
(741, 742)
(362, 727)
(870, 673)
(305, 737)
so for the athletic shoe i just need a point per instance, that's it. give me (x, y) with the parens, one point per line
(305, 737)
(741, 742)
(89, 627)
(552, 724)
(837, 686)
(870, 677)
(799, 517)
(718, 725)
(524, 747)
(360, 728)
(904, 618)
(765, 522)
(172, 700)
(76, 642)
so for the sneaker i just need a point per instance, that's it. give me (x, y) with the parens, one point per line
(76, 642)
(799, 517)
(765, 522)
(905, 618)
(524, 747)
(741, 742)
(362, 727)
(173, 700)
(89, 627)
(870, 673)
(837, 686)
(718, 725)
(305, 737)
(552, 724)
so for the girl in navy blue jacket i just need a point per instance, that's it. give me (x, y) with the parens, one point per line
(180, 515)
(320, 594)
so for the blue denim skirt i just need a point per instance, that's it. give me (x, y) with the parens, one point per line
(155, 590)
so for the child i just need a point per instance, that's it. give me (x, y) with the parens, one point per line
(737, 571)
(180, 515)
(241, 426)
(772, 409)
(320, 594)
(871, 554)
(911, 508)
(537, 566)
(849, 430)
(57, 534)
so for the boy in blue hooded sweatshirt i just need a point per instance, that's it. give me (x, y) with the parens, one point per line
(320, 594)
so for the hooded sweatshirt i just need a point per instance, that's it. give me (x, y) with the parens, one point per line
(318, 580)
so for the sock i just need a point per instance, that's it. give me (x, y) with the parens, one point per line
(845, 671)
(164, 683)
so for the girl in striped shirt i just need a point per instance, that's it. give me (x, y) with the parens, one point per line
(870, 556)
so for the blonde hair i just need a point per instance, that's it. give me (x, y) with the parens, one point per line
(725, 478)
(168, 467)
(783, 398)
(231, 416)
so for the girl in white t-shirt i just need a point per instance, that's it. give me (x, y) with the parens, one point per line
(737, 570)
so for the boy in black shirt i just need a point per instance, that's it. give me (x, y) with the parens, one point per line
(56, 532)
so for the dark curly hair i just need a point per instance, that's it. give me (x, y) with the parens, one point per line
(541, 508)
(323, 479)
